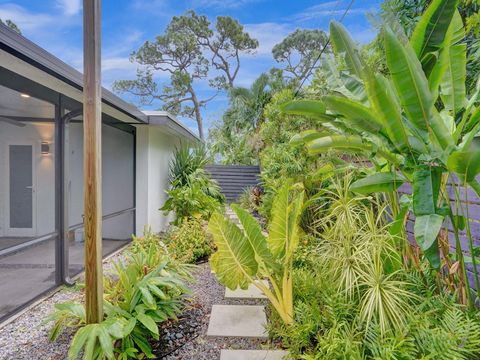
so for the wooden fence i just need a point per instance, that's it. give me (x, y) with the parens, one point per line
(234, 179)
(466, 197)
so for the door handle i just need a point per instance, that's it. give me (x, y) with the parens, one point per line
(28, 187)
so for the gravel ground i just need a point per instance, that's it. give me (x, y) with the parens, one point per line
(186, 339)
(26, 338)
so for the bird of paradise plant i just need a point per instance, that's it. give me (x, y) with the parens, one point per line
(416, 124)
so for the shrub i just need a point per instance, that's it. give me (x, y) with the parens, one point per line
(144, 289)
(251, 198)
(188, 242)
(192, 194)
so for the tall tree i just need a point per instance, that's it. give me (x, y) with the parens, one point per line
(234, 137)
(225, 43)
(299, 52)
(177, 53)
(11, 25)
(187, 51)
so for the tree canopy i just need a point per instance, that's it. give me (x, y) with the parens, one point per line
(187, 50)
(299, 52)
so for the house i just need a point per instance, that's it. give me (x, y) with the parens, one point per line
(41, 170)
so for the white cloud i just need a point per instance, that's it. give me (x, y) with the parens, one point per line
(69, 7)
(331, 10)
(221, 4)
(268, 35)
(26, 21)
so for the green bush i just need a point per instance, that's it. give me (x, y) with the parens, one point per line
(145, 288)
(193, 193)
(188, 242)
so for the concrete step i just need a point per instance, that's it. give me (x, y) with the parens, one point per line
(251, 293)
(237, 321)
(252, 354)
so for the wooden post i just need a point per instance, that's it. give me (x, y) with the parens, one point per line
(92, 145)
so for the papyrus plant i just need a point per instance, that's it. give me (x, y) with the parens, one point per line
(245, 255)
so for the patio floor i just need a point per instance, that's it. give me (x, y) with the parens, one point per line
(7, 242)
(31, 271)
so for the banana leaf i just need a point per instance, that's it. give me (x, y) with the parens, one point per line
(453, 83)
(426, 230)
(426, 187)
(378, 182)
(354, 112)
(386, 105)
(413, 90)
(465, 164)
(343, 44)
(353, 144)
(430, 32)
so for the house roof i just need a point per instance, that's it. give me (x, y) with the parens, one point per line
(32, 54)
(164, 118)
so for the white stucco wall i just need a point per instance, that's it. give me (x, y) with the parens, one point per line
(155, 149)
(117, 179)
(43, 178)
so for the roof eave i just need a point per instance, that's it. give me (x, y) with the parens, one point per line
(33, 54)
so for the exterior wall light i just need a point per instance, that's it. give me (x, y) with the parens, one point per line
(45, 148)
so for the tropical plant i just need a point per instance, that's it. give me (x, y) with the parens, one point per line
(244, 256)
(235, 138)
(193, 193)
(188, 242)
(416, 125)
(144, 289)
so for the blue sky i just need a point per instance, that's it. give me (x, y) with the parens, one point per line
(56, 25)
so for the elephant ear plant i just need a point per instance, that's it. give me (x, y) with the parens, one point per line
(246, 255)
(416, 124)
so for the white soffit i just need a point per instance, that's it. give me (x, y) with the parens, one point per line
(31, 72)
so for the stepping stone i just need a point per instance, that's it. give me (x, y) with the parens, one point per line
(238, 321)
(251, 293)
(252, 354)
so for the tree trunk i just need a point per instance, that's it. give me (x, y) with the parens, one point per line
(198, 114)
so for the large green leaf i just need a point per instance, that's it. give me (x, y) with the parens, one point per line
(149, 323)
(455, 33)
(426, 187)
(430, 32)
(426, 230)
(354, 112)
(353, 144)
(453, 83)
(304, 107)
(234, 262)
(253, 232)
(412, 88)
(474, 119)
(386, 105)
(278, 229)
(378, 182)
(306, 136)
(466, 164)
(343, 44)
(294, 211)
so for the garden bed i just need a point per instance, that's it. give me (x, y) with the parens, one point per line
(27, 338)
(186, 338)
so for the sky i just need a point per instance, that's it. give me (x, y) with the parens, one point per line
(56, 25)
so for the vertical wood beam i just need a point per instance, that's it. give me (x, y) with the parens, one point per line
(92, 145)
